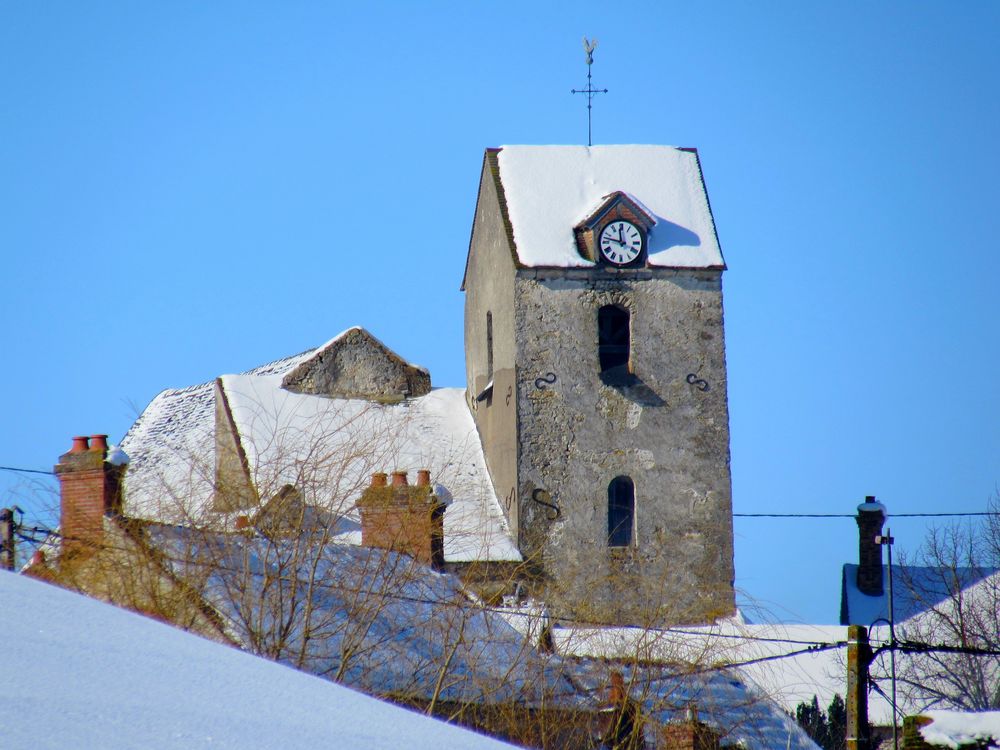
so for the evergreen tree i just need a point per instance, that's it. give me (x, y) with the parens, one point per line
(813, 720)
(837, 722)
(826, 728)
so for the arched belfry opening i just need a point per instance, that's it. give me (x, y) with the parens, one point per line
(613, 339)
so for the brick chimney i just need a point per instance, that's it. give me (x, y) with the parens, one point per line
(90, 489)
(403, 517)
(690, 734)
(620, 723)
(871, 516)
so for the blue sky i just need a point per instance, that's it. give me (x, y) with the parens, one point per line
(179, 182)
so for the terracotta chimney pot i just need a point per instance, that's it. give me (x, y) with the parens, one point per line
(399, 479)
(89, 490)
(379, 479)
(423, 478)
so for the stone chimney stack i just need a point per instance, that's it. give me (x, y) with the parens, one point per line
(403, 517)
(90, 488)
(871, 516)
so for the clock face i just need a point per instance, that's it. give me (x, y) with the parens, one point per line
(621, 242)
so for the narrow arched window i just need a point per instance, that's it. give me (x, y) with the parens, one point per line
(489, 346)
(613, 339)
(621, 512)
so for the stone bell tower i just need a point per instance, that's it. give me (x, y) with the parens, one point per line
(596, 371)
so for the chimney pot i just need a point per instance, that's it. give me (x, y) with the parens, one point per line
(89, 489)
(242, 522)
(38, 558)
(399, 479)
(423, 478)
(617, 689)
(379, 479)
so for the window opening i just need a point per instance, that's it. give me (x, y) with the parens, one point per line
(621, 511)
(489, 346)
(613, 339)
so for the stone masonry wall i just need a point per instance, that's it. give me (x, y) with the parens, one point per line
(358, 366)
(671, 436)
(489, 288)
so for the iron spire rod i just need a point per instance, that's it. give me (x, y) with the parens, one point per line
(590, 91)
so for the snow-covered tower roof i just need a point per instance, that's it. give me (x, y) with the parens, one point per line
(546, 191)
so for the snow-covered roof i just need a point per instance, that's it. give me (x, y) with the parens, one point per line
(747, 712)
(916, 589)
(376, 620)
(171, 448)
(687, 667)
(92, 676)
(549, 190)
(326, 447)
(330, 447)
(788, 681)
(957, 729)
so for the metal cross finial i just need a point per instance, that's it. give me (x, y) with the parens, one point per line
(589, 47)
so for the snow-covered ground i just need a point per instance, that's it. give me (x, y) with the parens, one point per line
(86, 675)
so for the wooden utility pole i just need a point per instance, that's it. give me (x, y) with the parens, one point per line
(7, 539)
(859, 657)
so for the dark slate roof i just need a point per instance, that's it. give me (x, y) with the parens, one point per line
(385, 624)
(380, 621)
(915, 589)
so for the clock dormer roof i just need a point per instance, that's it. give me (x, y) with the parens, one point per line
(640, 214)
(547, 192)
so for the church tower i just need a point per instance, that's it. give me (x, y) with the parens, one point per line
(596, 372)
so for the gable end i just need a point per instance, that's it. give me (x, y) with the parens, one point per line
(358, 365)
(490, 163)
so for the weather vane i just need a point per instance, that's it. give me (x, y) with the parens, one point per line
(589, 47)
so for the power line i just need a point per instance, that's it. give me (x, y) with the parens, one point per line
(811, 645)
(27, 471)
(793, 515)
(468, 607)
(918, 647)
(851, 515)
(214, 565)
